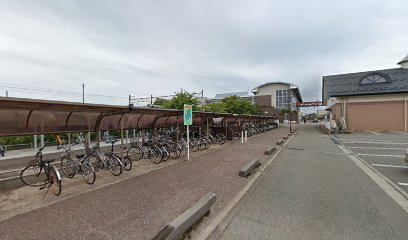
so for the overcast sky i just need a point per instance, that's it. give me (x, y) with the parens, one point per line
(157, 47)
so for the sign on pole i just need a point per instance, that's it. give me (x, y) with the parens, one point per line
(188, 114)
(188, 120)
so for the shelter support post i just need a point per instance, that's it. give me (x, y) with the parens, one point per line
(35, 142)
(121, 138)
(208, 129)
(42, 140)
(69, 138)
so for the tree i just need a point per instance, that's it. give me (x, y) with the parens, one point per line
(236, 105)
(215, 107)
(160, 101)
(181, 98)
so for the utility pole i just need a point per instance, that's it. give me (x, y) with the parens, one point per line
(202, 100)
(6, 93)
(83, 92)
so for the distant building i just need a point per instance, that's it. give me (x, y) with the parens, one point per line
(369, 101)
(219, 96)
(275, 97)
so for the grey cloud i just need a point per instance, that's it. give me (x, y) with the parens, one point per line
(157, 47)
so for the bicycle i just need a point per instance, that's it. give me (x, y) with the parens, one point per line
(72, 164)
(127, 164)
(107, 160)
(40, 173)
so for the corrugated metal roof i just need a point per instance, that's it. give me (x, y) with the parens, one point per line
(238, 94)
(349, 84)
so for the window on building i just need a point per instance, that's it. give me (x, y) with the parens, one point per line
(374, 78)
(284, 99)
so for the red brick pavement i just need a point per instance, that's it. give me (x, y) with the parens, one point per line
(138, 207)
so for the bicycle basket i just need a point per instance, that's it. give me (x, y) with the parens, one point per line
(33, 163)
(133, 144)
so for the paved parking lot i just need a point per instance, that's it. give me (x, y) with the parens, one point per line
(383, 151)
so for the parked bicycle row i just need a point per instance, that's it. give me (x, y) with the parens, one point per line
(165, 144)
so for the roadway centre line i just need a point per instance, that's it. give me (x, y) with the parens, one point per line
(395, 143)
(379, 155)
(376, 133)
(379, 148)
(390, 166)
(403, 184)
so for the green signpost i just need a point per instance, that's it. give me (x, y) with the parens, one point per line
(188, 114)
(188, 120)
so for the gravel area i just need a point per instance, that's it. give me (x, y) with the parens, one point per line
(137, 207)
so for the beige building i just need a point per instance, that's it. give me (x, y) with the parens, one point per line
(369, 101)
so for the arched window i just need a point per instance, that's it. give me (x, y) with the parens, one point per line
(375, 78)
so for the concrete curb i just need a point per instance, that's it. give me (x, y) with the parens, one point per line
(279, 142)
(270, 151)
(249, 168)
(285, 137)
(176, 229)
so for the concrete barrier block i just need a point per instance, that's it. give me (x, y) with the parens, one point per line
(270, 151)
(249, 168)
(176, 229)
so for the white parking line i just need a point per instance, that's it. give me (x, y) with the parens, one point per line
(395, 143)
(369, 140)
(379, 148)
(380, 155)
(391, 166)
(399, 132)
(376, 133)
(403, 184)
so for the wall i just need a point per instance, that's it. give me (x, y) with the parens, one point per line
(270, 89)
(374, 113)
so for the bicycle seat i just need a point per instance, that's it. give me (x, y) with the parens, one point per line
(80, 155)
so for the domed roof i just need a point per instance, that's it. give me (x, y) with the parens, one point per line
(405, 59)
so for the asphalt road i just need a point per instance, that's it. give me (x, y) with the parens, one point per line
(314, 191)
(383, 151)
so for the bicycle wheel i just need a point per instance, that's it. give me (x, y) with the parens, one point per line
(55, 181)
(114, 165)
(165, 153)
(96, 163)
(127, 164)
(88, 172)
(155, 155)
(134, 153)
(207, 143)
(32, 176)
(236, 136)
(68, 167)
(194, 146)
(183, 149)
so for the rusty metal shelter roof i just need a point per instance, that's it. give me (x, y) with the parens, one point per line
(20, 116)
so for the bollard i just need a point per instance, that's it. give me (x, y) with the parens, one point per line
(246, 136)
(242, 137)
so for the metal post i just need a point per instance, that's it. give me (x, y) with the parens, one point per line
(83, 92)
(127, 136)
(6, 93)
(69, 138)
(98, 140)
(242, 136)
(42, 140)
(226, 129)
(89, 138)
(208, 128)
(35, 142)
(188, 142)
(134, 133)
(246, 136)
(121, 138)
